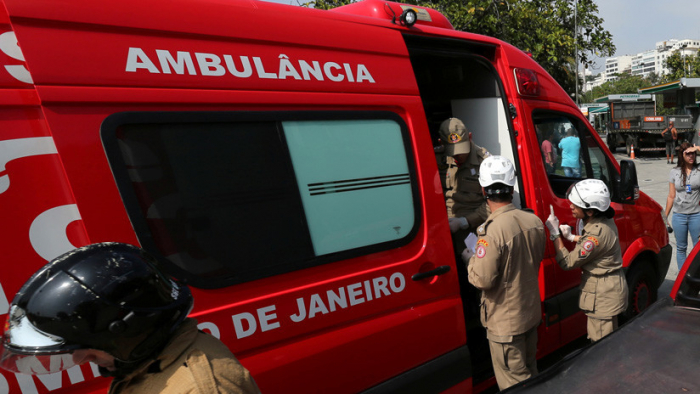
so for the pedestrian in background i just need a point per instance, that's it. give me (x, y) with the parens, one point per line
(670, 135)
(570, 147)
(684, 199)
(505, 267)
(110, 304)
(604, 292)
(549, 152)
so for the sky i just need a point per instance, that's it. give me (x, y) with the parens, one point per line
(637, 25)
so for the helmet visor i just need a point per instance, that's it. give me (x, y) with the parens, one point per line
(28, 350)
(36, 364)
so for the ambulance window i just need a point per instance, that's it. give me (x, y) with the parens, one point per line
(230, 198)
(354, 181)
(569, 152)
(597, 165)
(560, 145)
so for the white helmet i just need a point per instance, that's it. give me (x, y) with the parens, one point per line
(496, 169)
(590, 194)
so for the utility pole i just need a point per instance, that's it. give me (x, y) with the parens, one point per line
(576, 45)
(683, 55)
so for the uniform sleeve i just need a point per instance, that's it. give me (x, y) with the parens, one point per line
(587, 249)
(483, 153)
(220, 375)
(483, 266)
(449, 190)
(478, 216)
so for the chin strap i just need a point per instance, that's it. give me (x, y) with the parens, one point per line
(105, 373)
(123, 368)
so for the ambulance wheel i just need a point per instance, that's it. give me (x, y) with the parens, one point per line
(642, 289)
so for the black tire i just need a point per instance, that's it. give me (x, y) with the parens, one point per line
(611, 140)
(643, 289)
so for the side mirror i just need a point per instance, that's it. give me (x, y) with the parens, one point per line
(628, 186)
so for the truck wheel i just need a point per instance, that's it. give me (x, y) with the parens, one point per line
(611, 140)
(643, 289)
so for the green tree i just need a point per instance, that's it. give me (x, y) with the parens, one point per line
(654, 78)
(545, 28)
(326, 4)
(625, 83)
(682, 66)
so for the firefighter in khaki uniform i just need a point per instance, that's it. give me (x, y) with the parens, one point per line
(192, 362)
(466, 206)
(110, 304)
(505, 266)
(604, 292)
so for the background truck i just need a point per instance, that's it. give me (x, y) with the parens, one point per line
(631, 120)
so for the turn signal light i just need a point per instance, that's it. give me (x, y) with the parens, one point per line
(528, 84)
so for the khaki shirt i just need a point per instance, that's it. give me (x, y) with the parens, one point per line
(506, 268)
(463, 196)
(597, 252)
(192, 363)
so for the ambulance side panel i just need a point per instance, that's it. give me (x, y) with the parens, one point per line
(339, 321)
(40, 219)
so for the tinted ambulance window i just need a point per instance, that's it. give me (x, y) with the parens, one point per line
(600, 165)
(229, 201)
(589, 161)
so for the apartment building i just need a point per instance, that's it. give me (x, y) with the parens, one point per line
(644, 63)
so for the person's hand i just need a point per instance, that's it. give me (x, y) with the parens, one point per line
(552, 222)
(566, 232)
(668, 225)
(467, 255)
(458, 223)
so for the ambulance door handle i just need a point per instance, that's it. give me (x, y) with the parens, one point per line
(443, 269)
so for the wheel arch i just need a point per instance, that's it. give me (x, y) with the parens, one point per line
(644, 248)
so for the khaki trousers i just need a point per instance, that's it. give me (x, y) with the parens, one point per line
(598, 328)
(514, 361)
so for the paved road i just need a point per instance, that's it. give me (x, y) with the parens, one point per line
(652, 174)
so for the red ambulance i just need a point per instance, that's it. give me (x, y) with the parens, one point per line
(283, 159)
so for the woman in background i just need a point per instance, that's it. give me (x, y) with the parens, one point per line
(684, 199)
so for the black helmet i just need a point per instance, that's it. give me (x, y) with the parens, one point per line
(110, 297)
